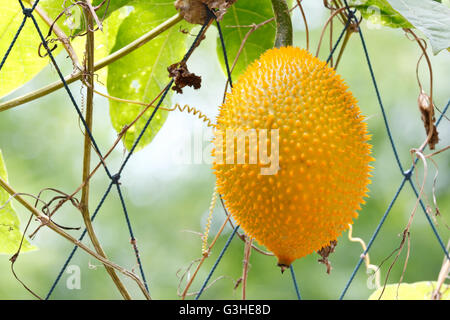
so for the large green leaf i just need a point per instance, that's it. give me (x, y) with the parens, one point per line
(430, 17)
(380, 12)
(235, 26)
(24, 62)
(142, 74)
(10, 235)
(411, 291)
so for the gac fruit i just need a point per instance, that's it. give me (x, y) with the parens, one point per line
(321, 148)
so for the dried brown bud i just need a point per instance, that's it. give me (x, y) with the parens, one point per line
(427, 110)
(195, 11)
(325, 253)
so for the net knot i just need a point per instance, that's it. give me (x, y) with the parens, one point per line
(407, 174)
(27, 12)
(115, 178)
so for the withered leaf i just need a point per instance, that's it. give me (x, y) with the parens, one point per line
(427, 110)
(194, 11)
(182, 77)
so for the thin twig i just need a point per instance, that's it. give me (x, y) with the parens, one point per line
(408, 251)
(347, 36)
(424, 51)
(247, 252)
(299, 4)
(325, 27)
(406, 232)
(243, 236)
(47, 222)
(14, 258)
(331, 43)
(62, 37)
(204, 256)
(427, 58)
(437, 152)
(443, 275)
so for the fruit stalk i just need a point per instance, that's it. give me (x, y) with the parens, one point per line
(284, 37)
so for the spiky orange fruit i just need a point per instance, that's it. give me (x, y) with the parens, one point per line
(323, 160)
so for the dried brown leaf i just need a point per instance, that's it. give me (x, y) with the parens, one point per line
(427, 110)
(182, 77)
(194, 11)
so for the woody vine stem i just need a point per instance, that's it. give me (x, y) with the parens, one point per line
(88, 77)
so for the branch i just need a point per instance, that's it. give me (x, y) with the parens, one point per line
(247, 252)
(443, 275)
(84, 204)
(338, 11)
(299, 4)
(47, 222)
(101, 64)
(205, 255)
(60, 34)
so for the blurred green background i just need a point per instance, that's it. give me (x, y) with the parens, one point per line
(168, 200)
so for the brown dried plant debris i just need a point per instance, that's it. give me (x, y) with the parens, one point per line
(325, 253)
(182, 77)
(427, 110)
(194, 11)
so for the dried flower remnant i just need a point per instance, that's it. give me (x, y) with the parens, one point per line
(195, 11)
(182, 77)
(427, 110)
(325, 253)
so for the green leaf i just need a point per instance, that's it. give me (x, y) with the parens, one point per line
(235, 26)
(142, 74)
(112, 6)
(10, 235)
(24, 62)
(105, 11)
(430, 17)
(411, 291)
(380, 12)
(104, 41)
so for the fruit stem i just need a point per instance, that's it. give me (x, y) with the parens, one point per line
(284, 35)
